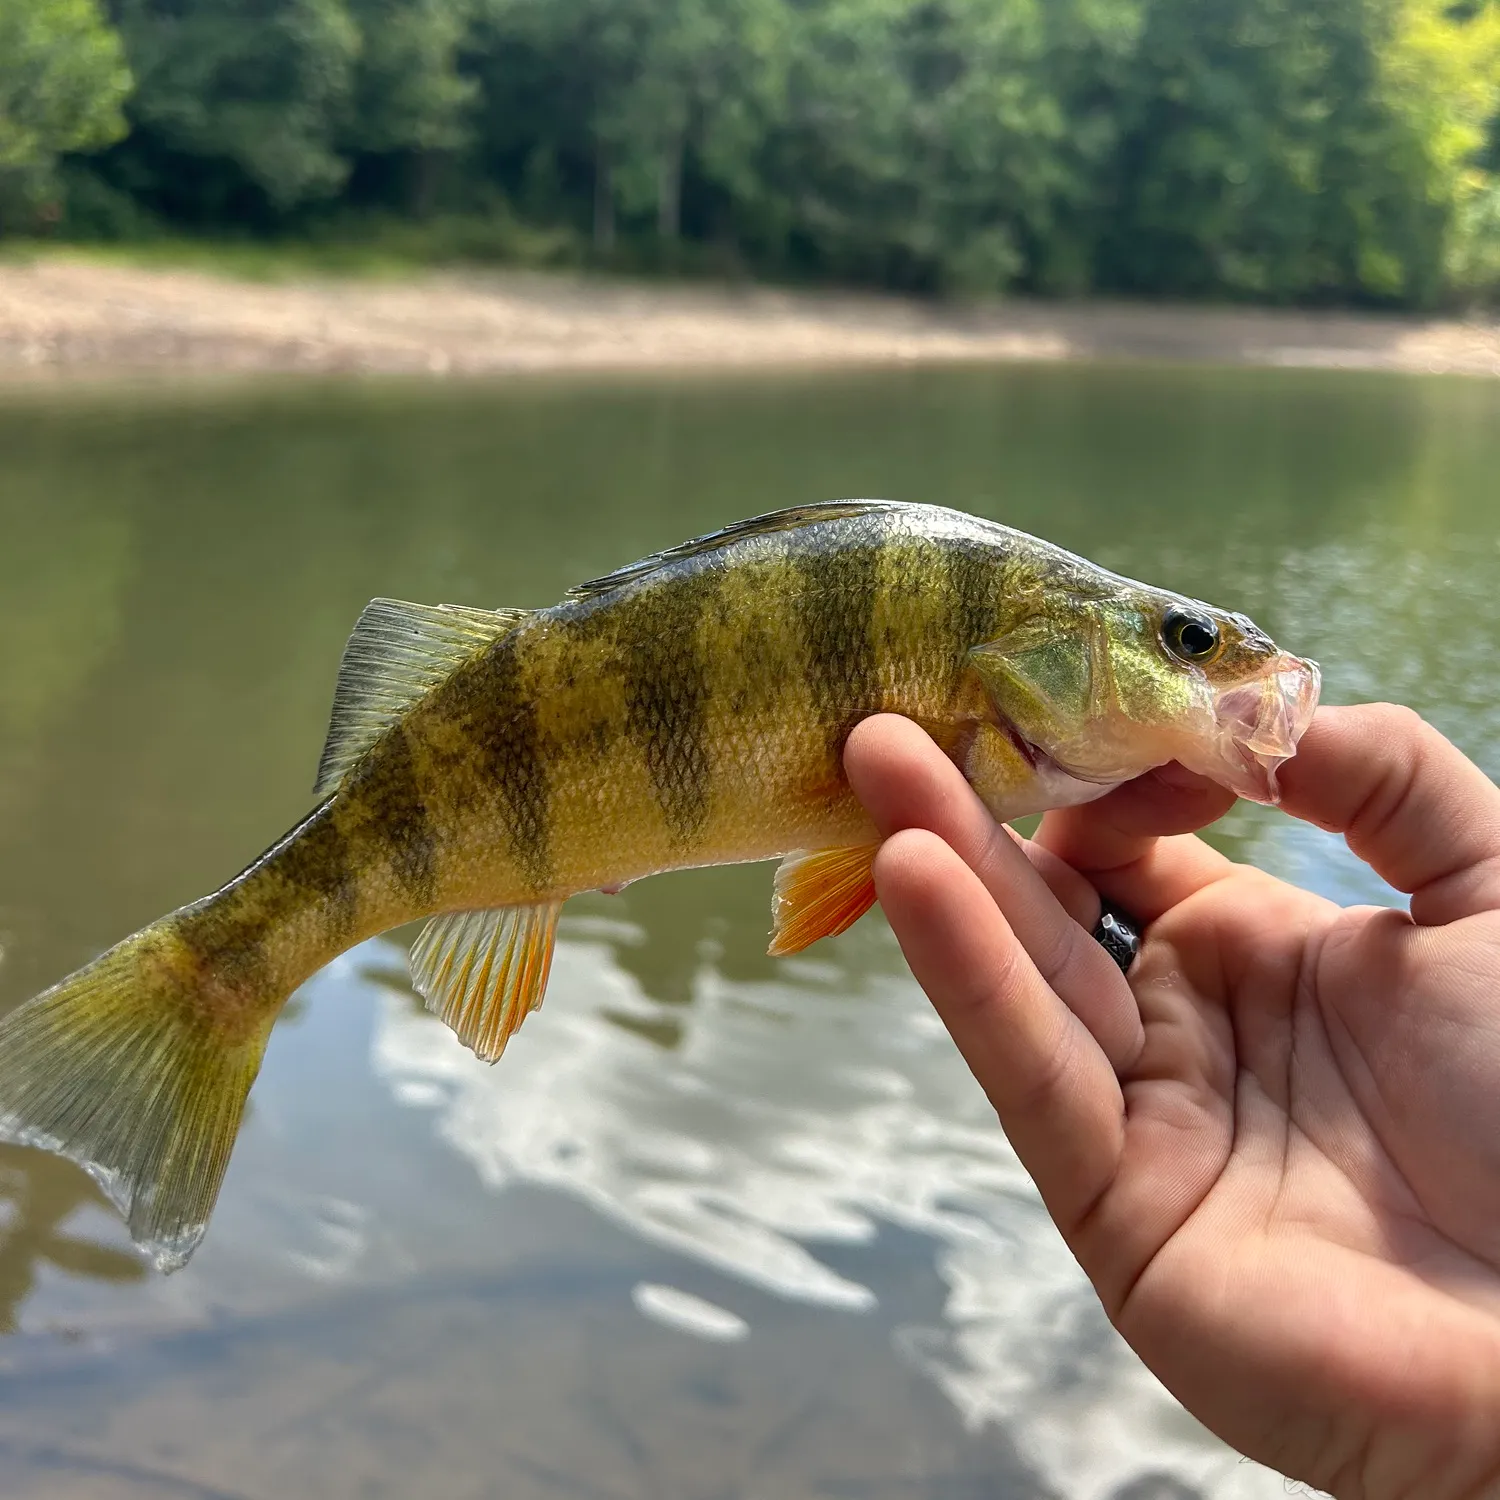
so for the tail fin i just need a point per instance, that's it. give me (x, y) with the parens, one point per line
(123, 1068)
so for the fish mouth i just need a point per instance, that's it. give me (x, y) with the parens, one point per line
(1259, 724)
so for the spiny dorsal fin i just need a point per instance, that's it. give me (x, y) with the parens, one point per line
(484, 972)
(767, 525)
(398, 653)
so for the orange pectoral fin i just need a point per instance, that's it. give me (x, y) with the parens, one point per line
(820, 893)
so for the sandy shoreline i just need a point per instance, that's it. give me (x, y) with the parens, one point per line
(63, 317)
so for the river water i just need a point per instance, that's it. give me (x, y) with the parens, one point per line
(718, 1227)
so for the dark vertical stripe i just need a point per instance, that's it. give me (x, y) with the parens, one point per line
(227, 939)
(667, 693)
(835, 606)
(973, 584)
(501, 719)
(234, 933)
(316, 861)
(393, 801)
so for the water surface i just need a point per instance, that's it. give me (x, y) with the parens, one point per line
(718, 1226)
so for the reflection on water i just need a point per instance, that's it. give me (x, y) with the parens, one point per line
(717, 1225)
(35, 1204)
(799, 1118)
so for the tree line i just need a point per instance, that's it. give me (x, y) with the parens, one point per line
(1280, 150)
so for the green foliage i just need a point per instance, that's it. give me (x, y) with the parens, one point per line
(620, 102)
(950, 143)
(1441, 79)
(62, 80)
(1473, 266)
(1289, 150)
(1267, 153)
(237, 101)
(408, 93)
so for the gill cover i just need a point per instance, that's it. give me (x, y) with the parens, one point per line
(1044, 675)
(1055, 678)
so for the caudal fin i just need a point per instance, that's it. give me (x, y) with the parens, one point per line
(125, 1070)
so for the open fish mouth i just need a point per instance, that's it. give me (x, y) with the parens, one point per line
(1260, 723)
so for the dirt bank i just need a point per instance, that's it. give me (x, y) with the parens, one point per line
(72, 317)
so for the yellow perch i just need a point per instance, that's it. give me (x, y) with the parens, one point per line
(690, 709)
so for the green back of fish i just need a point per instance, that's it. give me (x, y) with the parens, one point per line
(690, 709)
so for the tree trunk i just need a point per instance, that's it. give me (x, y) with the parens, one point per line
(669, 191)
(604, 201)
(422, 175)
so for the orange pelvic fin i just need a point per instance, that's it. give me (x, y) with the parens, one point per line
(819, 893)
(484, 972)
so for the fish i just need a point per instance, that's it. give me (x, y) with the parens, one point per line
(690, 709)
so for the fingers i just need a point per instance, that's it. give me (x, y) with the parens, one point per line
(1121, 826)
(1053, 1088)
(1410, 804)
(1074, 894)
(905, 782)
(1123, 842)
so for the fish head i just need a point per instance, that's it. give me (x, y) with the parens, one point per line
(1109, 686)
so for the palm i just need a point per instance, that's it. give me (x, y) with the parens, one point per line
(1276, 1152)
(1313, 1099)
(1417, 1045)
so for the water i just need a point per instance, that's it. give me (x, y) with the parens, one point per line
(718, 1226)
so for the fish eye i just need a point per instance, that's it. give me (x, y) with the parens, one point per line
(1190, 636)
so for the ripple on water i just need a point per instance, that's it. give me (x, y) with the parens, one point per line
(788, 1124)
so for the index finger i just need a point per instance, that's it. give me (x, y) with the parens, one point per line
(906, 782)
(1409, 802)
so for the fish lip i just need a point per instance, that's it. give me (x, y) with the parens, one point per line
(1260, 723)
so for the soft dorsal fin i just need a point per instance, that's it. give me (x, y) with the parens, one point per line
(397, 653)
(484, 972)
(766, 525)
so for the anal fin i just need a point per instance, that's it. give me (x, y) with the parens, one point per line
(820, 893)
(484, 972)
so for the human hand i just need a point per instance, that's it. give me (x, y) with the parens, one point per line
(1275, 1150)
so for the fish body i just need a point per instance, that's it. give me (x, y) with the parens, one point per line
(690, 709)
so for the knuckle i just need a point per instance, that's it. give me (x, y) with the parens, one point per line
(1051, 1074)
(997, 849)
(1056, 953)
(1005, 975)
(1394, 721)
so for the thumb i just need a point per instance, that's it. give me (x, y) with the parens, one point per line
(1409, 803)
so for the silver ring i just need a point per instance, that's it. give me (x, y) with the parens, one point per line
(1118, 934)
